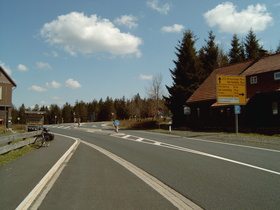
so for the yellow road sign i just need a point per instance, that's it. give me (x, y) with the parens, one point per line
(231, 89)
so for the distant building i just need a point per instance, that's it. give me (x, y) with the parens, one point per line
(262, 108)
(6, 89)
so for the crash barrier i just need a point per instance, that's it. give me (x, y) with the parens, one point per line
(15, 141)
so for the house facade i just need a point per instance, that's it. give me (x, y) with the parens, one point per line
(262, 108)
(6, 89)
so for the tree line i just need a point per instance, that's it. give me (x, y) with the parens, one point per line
(102, 110)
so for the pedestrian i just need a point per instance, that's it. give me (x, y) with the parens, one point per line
(116, 124)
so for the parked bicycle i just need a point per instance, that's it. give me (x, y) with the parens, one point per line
(41, 139)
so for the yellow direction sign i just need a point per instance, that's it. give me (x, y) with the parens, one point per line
(231, 89)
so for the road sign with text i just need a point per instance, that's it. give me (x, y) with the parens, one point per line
(231, 89)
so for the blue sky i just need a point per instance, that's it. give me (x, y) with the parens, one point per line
(60, 51)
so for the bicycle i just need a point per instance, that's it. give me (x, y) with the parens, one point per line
(41, 139)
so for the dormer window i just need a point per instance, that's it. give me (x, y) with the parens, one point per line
(277, 76)
(254, 80)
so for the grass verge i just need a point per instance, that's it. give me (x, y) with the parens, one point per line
(14, 154)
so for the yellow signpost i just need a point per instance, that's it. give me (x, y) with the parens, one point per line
(231, 89)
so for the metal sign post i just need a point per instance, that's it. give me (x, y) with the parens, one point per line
(237, 112)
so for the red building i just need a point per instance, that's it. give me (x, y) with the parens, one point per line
(261, 110)
(6, 89)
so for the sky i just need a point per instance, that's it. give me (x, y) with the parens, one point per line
(60, 51)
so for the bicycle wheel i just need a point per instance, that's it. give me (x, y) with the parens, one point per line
(38, 142)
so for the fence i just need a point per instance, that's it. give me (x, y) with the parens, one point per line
(15, 141)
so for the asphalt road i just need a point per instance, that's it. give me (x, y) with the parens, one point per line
(212, 175)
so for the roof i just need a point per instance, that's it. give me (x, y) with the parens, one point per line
(8, 77)
(265, 64)
(35, 112)
(207, 90)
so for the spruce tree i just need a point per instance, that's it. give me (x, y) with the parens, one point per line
(252, 47)
(67, 113)
(208, 56)
(185, 78)
(21, 114)
(235, 53)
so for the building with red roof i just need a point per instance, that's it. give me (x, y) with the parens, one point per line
(262, 102)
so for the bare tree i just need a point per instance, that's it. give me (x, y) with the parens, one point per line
(155, 92)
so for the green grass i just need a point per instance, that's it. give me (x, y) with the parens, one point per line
(14, 154)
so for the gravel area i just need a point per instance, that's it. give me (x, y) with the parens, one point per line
(268, 142)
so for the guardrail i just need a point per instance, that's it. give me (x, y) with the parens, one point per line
(15, 141)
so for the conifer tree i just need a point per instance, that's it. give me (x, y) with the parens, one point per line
(121, 109)
(21, 114)
(235, 53)
(208, 56)
(67, 113)
(54, 114)
(106, 109)
(185, 77)
(252, 47)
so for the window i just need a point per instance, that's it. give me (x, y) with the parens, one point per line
(0, 93)
(254, 80)
(277, 76)
(274, 108)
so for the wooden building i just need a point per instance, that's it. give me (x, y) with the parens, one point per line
(6, 89)
(262, 108)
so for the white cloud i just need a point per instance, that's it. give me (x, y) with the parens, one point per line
(154, 4)
(22, 67)
(127, 20)
(6, 68)
(53, 84)
(176, 28)
(42, 65)
(37, 88)
(72, 84)
(146, 77)
(229, 20)
(77, 33)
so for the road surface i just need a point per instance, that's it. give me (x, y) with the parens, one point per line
(102, 172)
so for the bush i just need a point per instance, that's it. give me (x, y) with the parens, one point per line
(139, 124)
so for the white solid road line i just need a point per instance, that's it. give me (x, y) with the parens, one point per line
(170, 146)
(171, 195)
(26, 203)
